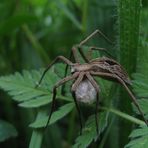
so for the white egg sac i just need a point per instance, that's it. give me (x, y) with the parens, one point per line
(85, 92)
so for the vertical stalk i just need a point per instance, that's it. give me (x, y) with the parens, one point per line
(128, 18)
(36, 139)
(128, 21)
(37, 134)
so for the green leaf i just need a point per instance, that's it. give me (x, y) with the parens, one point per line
(89, 132)
(36, 102)
(22, 87)
(144, 106)
(140, 87)
(57, 115)
(7, 131)
(140, 84)
(139, 138)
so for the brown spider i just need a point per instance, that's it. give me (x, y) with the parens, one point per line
(104, 67)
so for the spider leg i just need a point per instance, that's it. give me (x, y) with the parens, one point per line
(92, 35)
(87, 58)
(73, 89)
(74, 50)
(68, 78)
(78, 47)
(61, 58)
(93, 82)
(100, 49)
(109, 75)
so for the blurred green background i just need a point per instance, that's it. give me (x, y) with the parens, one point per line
(34, 32)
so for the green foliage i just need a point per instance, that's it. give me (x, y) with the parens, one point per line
(68, 13)
(7, 131)
(16, 21)
(63, 111)
(34, 32)
(22, 89)
(127, 44)
(140, 85)
(139, 138)
(89, 133)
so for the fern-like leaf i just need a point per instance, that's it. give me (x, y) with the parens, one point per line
(89, 132)
(140, 85)
(139, 136)
(22, 87)
(63, 111)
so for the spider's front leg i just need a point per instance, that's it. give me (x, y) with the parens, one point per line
(93, 82)
(59, 58)
(73, 90)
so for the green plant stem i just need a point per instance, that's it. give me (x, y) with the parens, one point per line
(71, 126)
(102, 143)
(37, 46)
(37, 135)
(128, 21)
(36, 139)
(124, 115)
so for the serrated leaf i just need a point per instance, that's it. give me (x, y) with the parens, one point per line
(139, 138)
(89, 132)
(139, 132)
(7, 131)
(144, 106)
(57, 115)
(140, 85)
(37, 102)
(22, 87)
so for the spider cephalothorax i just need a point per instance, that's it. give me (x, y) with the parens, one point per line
(84, 87)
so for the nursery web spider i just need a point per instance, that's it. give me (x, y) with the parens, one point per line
(103, 67)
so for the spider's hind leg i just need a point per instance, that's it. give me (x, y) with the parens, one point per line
(123, 83)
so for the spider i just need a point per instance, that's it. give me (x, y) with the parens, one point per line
(84, 84)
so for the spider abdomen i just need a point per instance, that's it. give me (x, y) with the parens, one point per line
(85, 92)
